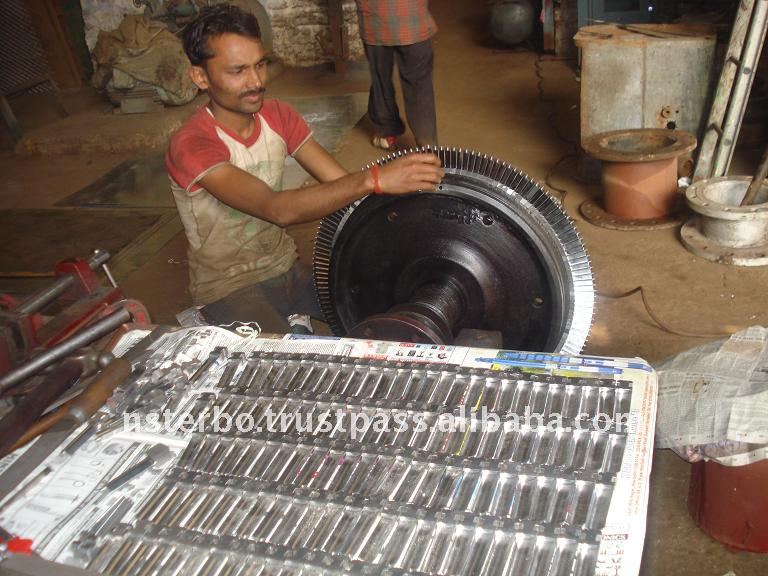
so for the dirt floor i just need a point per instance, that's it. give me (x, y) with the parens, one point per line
(491, 101)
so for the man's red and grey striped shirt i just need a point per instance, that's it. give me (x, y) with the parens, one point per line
(395, 22)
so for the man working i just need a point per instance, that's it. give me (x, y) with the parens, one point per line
(226, 167)
(401, 30)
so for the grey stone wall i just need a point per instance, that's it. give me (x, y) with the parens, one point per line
(296, 25)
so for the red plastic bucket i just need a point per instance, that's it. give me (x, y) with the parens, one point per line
(730, 503)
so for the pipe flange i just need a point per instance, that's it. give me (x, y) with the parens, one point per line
(720, 198)
(598, 216)
(723, 221)
(639, 145)
(697, 243)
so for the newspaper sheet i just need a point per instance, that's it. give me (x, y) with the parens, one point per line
(713, 400)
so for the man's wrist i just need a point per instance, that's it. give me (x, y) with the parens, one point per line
(372, 183)
(375, 174)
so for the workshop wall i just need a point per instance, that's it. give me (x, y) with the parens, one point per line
(297, 26)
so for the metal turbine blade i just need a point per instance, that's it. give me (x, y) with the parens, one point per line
(485, 182)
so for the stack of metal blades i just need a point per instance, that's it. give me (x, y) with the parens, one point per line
(419, 486)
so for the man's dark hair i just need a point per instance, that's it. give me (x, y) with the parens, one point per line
(214, 21)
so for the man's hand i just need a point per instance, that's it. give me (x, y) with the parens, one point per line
(410, 173)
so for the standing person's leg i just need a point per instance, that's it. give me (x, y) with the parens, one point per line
(415, 64)
(382, 104)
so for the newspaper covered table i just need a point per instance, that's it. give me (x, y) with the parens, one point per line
(327, 455)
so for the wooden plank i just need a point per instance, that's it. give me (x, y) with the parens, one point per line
(65, 67)
(10, 119)
(548, 24)
(338, 33)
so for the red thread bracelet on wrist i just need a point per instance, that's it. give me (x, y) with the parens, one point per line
(376, 183)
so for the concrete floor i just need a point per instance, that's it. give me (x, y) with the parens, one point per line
(487, 100)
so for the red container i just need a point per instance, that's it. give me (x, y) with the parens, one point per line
(730, 503)
(640, 170)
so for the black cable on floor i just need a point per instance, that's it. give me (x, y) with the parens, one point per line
(548, 178)
(661, 324)
(552, 121)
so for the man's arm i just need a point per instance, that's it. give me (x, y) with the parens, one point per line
(315, 159)
(243, 191)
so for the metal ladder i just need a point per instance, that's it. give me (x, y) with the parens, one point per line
(733, 88)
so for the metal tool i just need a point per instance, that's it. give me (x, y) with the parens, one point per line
(500, 255)
(83, 299)
(156, 456)
(56, 428)
(101, 257)
(85, 435)
(87, 539)
(83, 338)
(216, 354)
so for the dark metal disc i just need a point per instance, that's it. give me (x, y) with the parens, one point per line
(489, 251)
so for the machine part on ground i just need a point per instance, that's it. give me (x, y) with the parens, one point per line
(71, 274)
(489, 250)
(511, 21)
(640, 170)
(431, 498)
(81, 297)
(645, 76)
(595, 214)
(722, 230)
